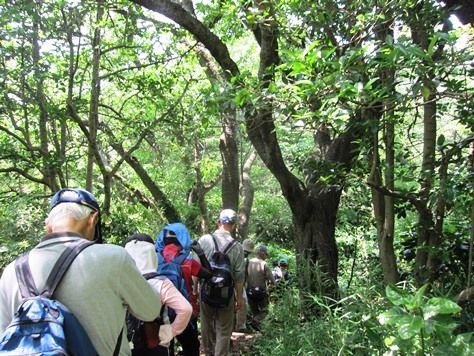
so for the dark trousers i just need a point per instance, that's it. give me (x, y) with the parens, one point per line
(189, 339)
(158, 351)
(259, 310)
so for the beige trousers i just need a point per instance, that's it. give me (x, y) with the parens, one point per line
(241, 314)
(216, 328)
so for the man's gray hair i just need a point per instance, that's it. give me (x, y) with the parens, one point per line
(68, 210)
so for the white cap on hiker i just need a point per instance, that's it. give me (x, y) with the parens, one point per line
(228, 216)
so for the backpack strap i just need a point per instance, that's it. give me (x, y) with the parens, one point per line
(62, 265)
(229, 246)
(215, 242)
(180, 258)
(24, 276)
(150, 275)
(247, 261)
(226, 248)
(118, 345)
(175, 260)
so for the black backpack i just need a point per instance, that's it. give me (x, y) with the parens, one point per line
(144, 334)
(218, 291)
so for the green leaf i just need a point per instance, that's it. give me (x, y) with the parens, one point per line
(298, 67)
(441, 140)
(425, 91)
(431, 45)
(391, 316)
(272, 87)
(438, 305)
(410, 326)
(241, 97)
(397, 295)
(418, 299)
(368, 85)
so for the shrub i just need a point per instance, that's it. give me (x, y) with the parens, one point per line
(349, 327)
(420, 325)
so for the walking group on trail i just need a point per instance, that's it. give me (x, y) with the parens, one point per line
(71, 294)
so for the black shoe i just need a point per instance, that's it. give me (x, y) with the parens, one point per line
(245, 330)
(255, 325)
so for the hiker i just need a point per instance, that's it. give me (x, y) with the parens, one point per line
(142, 249)
(174, 242)
(101, 283)
(259, 278)
(285, 275)
(280, 273)
(276, 270)
(217, 321)
(241, 314)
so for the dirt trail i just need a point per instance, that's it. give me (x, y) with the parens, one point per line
(241, 344)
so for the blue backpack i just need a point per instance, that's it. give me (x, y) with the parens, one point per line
(172, 270)
(42, 325)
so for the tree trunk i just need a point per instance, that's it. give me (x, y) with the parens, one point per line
(384, 210)
(202, 189)
(471, 240)
(230, 162)
(247, 194)
(426, 226)
(384, 215)
(314, 220)
(48, 170)
(95, 94)
(228, 139)
(386, 236)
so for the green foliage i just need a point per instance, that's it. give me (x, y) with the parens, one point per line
(348, 328)
(420, 325)
(22, 218)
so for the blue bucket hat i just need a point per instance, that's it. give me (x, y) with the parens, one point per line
(82, 197)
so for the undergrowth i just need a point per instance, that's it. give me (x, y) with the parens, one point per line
(349, 327)
(403, 321)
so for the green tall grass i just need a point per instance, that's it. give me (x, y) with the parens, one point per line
(349, 327)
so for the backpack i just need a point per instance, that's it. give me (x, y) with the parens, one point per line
(218, 291)
(173, 271)
(144, 334)
(43, 325)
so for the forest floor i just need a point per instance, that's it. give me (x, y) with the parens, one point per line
(242, 343)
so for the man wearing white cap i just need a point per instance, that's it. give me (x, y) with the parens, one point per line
(217, 322)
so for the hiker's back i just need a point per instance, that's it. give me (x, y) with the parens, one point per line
(92, 289)
(171, 267)
(43, 325)
(219, 290)
(217, 321)
(144, 335)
